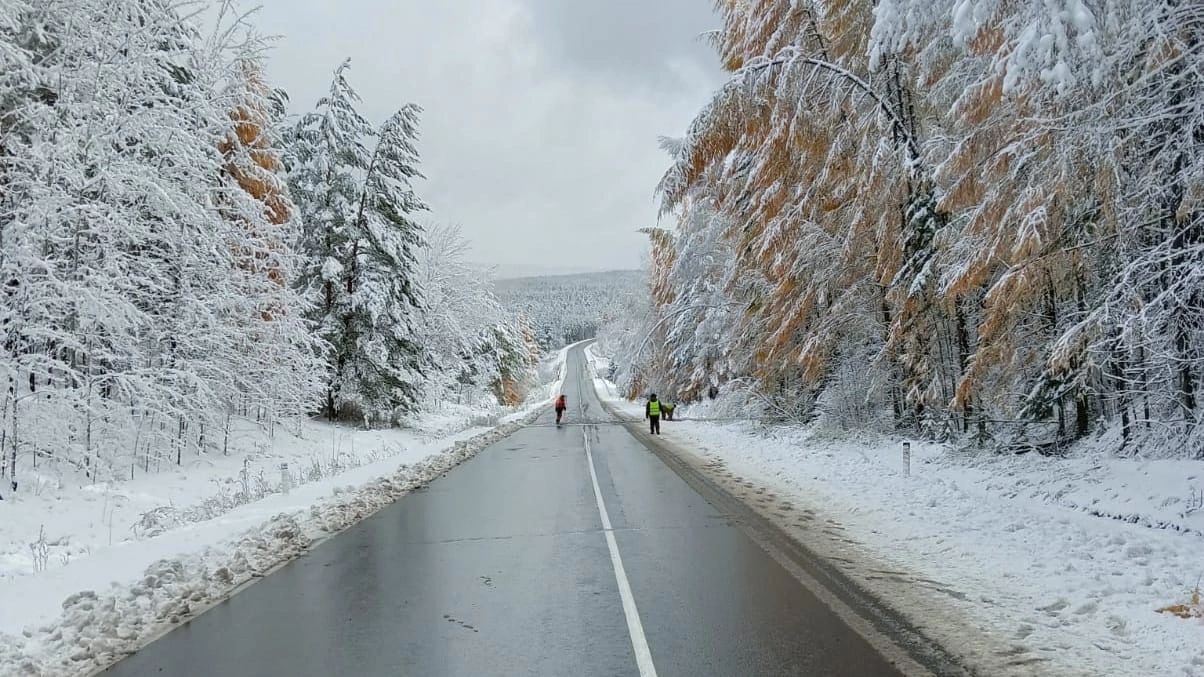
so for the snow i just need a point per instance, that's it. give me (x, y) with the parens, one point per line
(567, 308)
(124, 562)
(331, 269)
(1022, 565)
(598, 368)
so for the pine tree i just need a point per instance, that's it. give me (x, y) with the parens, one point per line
(359, 243)
(384, 261)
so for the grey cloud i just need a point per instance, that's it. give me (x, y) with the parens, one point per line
(634, 42)
(545, 153)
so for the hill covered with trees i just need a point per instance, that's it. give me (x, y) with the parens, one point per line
(567, 308)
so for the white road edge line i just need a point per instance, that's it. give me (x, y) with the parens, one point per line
(639, 643)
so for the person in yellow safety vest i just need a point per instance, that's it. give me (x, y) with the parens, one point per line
(652, 412)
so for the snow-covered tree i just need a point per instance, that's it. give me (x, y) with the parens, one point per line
(352, 184)
(817, 158)
(125, 304)
(475, 346)
(983, 216)
(702, 346)
(273, 311)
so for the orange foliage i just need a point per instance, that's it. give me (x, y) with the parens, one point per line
(815, 183)
(1190, 609)
(252, 162)
(1018, 183)
(530, 343)
(816, 222)
(509, 393)
(663, 258)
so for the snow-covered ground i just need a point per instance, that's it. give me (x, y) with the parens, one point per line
(90, 572)
(1057, 566)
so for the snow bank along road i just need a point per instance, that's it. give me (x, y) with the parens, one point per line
(557, 551)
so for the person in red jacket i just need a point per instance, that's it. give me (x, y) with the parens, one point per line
(561, 405)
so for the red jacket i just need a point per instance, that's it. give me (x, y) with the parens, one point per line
(560, 402)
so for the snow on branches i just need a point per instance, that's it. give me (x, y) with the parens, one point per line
(993, 208)
(130, 316)
(352, 185)
(174, 256)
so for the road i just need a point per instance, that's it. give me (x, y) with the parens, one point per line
(567, 550)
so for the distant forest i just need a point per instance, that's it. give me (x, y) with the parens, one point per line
(563, 309)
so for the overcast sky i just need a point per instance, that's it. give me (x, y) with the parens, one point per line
(540, 116)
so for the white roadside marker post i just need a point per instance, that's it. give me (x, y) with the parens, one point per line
(286, 480)
(907, 459)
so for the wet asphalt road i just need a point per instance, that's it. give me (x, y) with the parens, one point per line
(502, 567)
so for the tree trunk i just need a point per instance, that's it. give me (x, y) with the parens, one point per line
(1082, 418)
(963, 354)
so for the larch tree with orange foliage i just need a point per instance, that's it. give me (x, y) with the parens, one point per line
(815, 158)
(258, 205)
(252, 160)
(983, 217)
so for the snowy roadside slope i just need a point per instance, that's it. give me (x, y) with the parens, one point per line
(60, 535)
(124, 594)
(607, 391)
(100, 625)
(992, 543)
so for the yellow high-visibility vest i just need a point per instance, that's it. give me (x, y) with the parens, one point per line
(654, 408)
